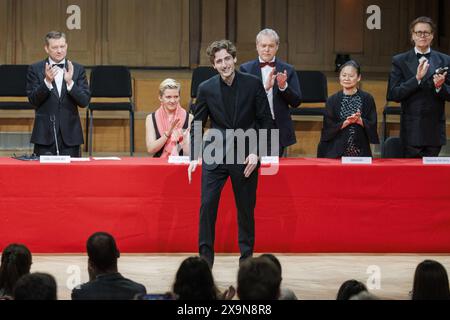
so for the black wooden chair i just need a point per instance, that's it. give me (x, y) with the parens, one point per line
(110, 82)
(199, 75)
(314, 87)
(13, 82)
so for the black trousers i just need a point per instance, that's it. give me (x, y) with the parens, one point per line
(64, 150)
(244, 190)
(282, 153)
(423, 151)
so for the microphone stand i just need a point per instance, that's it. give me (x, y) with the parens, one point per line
(53, 120)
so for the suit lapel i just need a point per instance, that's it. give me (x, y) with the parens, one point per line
(433, 65)
(278, 68)
(412, 62)
(64, 85)
(256, 70)
(63, 90)
(54, 91)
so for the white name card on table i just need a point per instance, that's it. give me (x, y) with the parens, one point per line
(436, 160)
(54, 159)
(356, 160)
(179, 160)
(270, 160)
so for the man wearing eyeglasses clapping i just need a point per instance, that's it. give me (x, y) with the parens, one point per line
(419, 82)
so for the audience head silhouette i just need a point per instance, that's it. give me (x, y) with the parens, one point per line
(16, 262)
(364, 295)
(102, 252)
(194, 281)
(258, 279)
(35, 286)
(274, 259)
(285, 293)
(430, 282)
(350, 288)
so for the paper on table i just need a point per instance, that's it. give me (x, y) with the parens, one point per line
(79, 159)
(179, 160)
(270, 160)
(106, 158)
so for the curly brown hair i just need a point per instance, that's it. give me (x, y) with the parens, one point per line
(219, 45)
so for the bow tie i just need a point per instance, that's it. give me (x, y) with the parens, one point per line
(61, 65)
(426, 55)
(270, 64)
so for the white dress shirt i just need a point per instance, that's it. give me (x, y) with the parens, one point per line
(265, 72)
(59, 78)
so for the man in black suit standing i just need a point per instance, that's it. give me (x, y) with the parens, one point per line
(281, 83)
(236, 103)
(422, 92)
(56, 87)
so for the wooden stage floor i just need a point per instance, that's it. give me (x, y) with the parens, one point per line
(312, 277)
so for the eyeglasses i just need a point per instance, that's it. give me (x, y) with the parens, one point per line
(422, 34)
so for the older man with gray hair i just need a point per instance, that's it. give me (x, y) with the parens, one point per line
(280, 82)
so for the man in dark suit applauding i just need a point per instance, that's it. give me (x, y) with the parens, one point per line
(281, 83)
(237, 106)
(55, 87)
(418, 81)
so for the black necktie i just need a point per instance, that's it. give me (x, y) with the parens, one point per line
(61, 65)
(426, 55)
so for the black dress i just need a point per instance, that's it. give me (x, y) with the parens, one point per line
(354, 140)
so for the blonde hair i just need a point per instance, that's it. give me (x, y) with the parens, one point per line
(168, 84)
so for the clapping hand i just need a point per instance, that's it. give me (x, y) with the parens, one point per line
(50, 72)
(173, 125)
(422, 69)
(270, 82)
(68, 75)
(439, 80)
(354, 118)
(282, 79)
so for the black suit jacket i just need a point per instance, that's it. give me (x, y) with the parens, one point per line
(64, 108)
(333, 141)
(252, 112)
(423, 109)
(281, 99)
(108, 287)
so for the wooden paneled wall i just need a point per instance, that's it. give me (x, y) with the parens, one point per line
(313, 31)
(5, 32)
(176, 33)
(134, 32)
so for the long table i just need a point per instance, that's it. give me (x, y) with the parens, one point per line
(310, 205)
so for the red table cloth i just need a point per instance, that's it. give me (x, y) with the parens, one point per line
(310, 205)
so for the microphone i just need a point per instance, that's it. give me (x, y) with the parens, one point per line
(53, 120)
